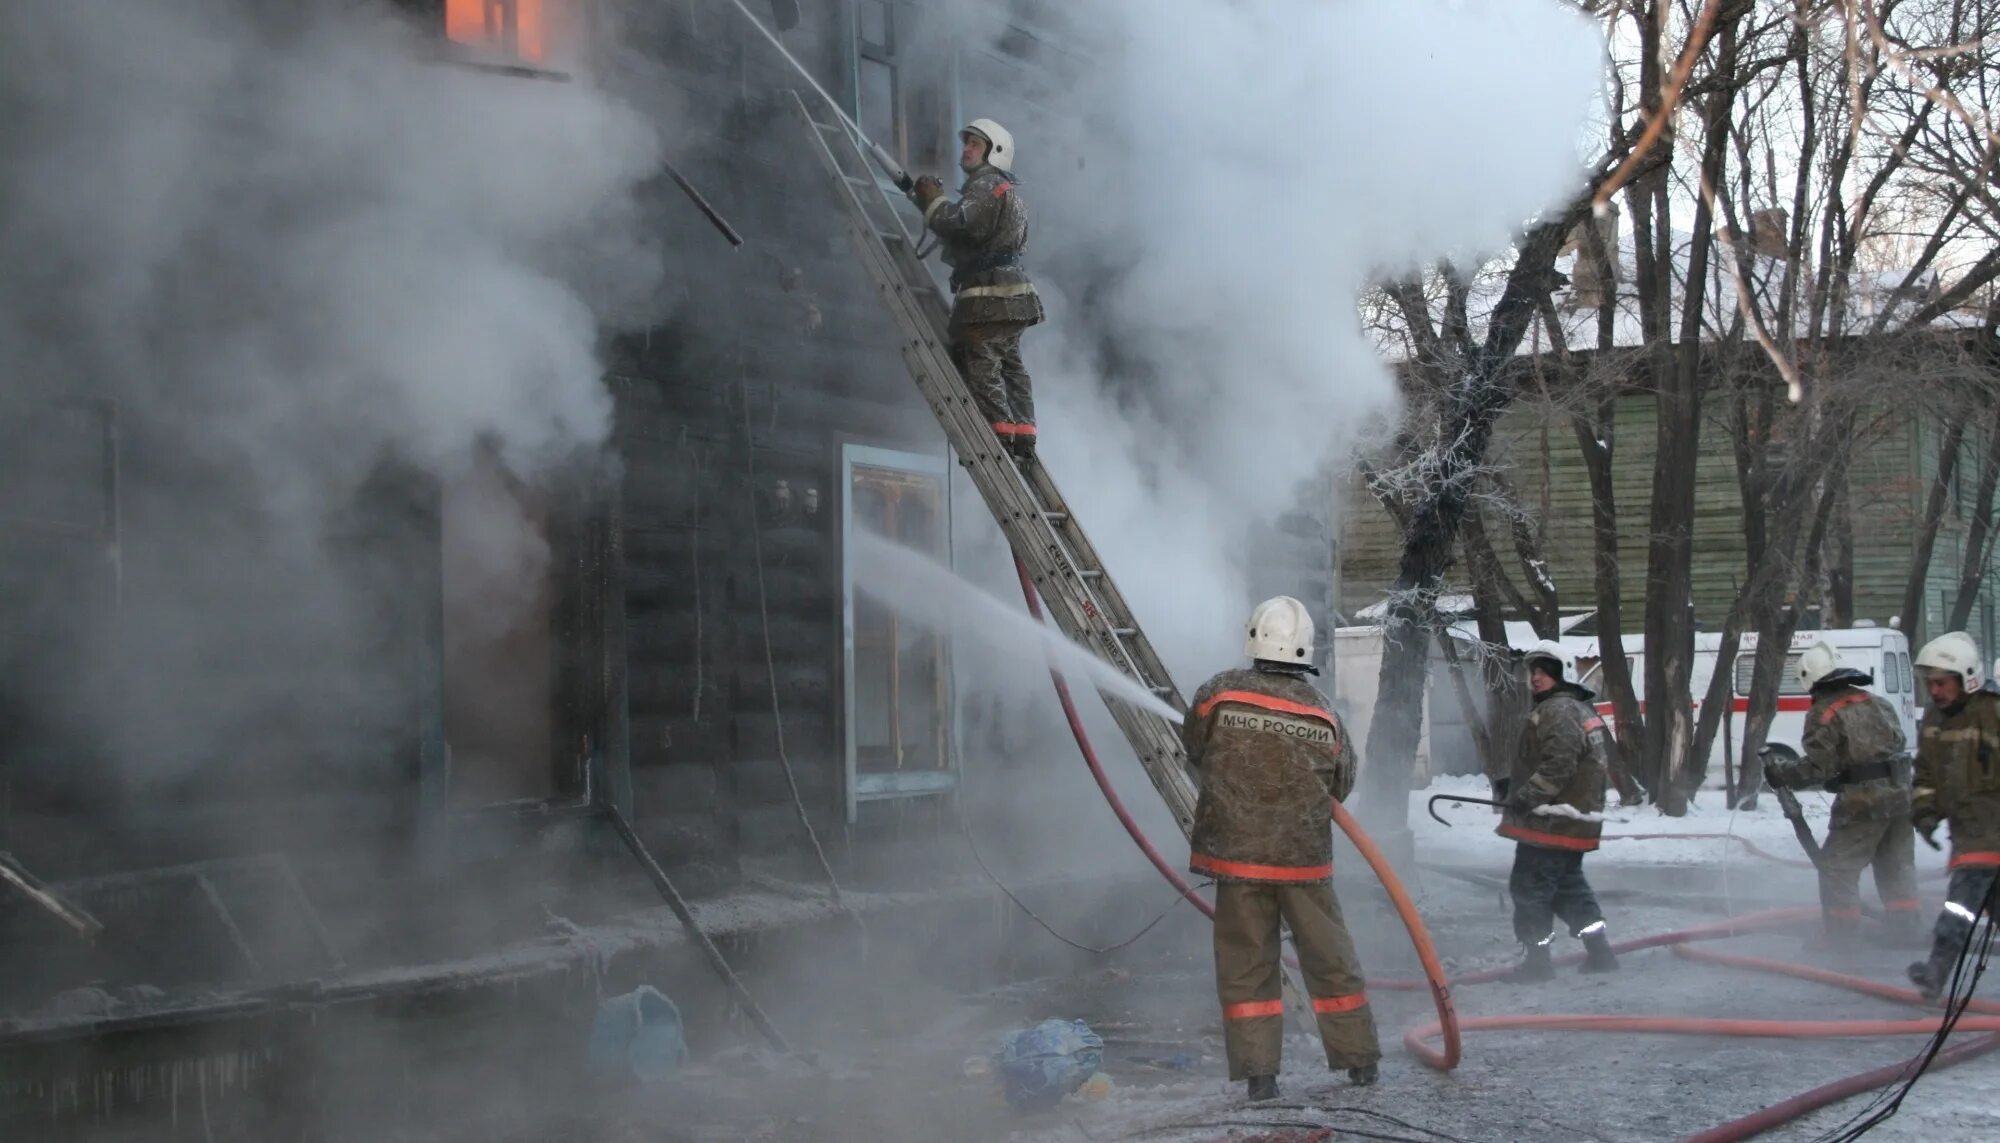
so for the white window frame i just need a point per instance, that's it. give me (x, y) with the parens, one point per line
(879, 787)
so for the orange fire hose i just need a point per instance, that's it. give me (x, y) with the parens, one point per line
(1447, 1019)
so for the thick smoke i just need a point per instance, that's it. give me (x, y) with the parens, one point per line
(1210, 198)
(292, 250)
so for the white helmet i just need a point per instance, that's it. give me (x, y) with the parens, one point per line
(1819, 661)
(1550, 650)
(1281, 632)
(1955, 652)
(999, 142)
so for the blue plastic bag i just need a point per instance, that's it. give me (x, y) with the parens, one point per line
(637, 1036)
(1040, 1066)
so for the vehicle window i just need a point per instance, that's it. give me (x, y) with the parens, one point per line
(1788, 679)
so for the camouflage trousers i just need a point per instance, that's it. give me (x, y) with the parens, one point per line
(1546, 884)
(1852, 845)
(1248, 954)
(988, 353)
(1967, 894)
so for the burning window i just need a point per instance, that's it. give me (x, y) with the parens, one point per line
(525, 30)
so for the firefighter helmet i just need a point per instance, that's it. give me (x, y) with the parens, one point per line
(1547, 652)
(1954, 651)
(1819, 661)
(999, 142)
(1281, 632)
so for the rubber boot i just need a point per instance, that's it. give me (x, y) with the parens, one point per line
(1022, 446)
(1598, 956)
(1930, 977)
(1534, 967)
(1263, 1088)
(1365, 1075)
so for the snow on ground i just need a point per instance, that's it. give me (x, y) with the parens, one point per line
(1470, 839)
(890, 1055)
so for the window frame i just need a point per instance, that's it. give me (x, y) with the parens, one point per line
(889, 55)
(862, 787)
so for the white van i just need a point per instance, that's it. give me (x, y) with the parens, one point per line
(1882, 652)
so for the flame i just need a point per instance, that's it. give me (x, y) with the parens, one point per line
(517, 27)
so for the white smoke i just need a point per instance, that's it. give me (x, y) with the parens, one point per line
(291, 249)
(1210, 198)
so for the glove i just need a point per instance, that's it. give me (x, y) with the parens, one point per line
(1522, 802)
(1927, 829)
(1500, 788)
(927, 191)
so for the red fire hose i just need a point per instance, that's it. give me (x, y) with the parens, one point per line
(1447, 1019)
(1449, 1026)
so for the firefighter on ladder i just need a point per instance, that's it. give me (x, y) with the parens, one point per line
(993, 302)
(1854, 749)
(1957, 781)
(1560, 771)
(1272, 758)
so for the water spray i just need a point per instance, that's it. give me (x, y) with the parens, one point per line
(917, 586)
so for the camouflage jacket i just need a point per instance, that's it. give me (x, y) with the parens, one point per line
(1564, 753)
(1958, 777)
(1273, 758)
(983, 235)
(1848, 727)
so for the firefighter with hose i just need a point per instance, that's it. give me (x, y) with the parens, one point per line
(1957, 781)
(1272, 758)
(1854, 748)
(993, 302)
(1553, 805)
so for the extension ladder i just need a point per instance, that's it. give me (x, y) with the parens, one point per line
(1031, 511)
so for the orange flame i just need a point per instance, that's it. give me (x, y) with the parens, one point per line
(516, 27)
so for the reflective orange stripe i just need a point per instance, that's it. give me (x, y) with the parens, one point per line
(1010, 429)
(1593, 723)
(1251, 1009)
(1845, 913)
(1903, 905)
(1965, 859)
(1203, 863)
(1553, 840)
(1252, 698)
(1327, 1005)
(1839, 704)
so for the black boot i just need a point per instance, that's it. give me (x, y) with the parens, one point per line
(1023, 447)
(1365, 1075)
(1534, 967)
(1598, 955)
(1930, 978)
(1263, 1088)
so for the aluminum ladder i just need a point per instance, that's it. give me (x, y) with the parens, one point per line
(1033, 514)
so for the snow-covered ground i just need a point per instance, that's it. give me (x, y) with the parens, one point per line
(891, 1055)
(1470, 838)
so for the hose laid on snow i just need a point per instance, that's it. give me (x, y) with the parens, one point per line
(1413, 922)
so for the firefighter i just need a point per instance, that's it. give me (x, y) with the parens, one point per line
(1854, 747)
(1958, 781)
(1553, 805)
(993, 302)
(1272, 759)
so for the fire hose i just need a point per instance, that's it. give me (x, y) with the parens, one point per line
(1450, 1026)
(1434, 977)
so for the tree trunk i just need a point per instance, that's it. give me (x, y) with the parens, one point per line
(1670, 552)
(1918, 579)
(1467, 414)
(1979, 532)
(1596, 437)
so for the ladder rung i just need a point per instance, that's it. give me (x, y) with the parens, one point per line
(1159, 690)
(1055, 517)
(1124, 632)
(1091, 573)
